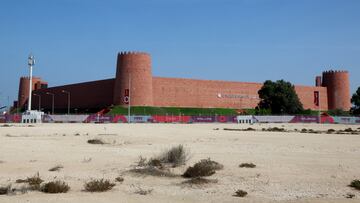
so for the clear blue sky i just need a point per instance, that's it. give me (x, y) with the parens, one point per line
(240, 40)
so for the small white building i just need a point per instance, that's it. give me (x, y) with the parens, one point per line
(32, 116)
(245, 119)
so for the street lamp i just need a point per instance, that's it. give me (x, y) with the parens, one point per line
(39, 100)
(52, 106)
(31, 63)
(68, 93)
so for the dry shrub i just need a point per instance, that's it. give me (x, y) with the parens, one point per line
(142, 162)
(142, 191)
(56, 168)
(34, 181)
(175, 156)
(355, 184)
(119, 179)
(247, 165)
(6, 125)
(156, 163)
(348, 130)
(5, 190)
(204, 167)
(329, 131)
(55, 187)
(249, 129)
(240, 193)
(96, 141)
(349, 195)
(304, 130)
(99, 185)
(276, 129)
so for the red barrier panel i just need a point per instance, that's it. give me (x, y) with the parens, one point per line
(171, 119)
(119, 119)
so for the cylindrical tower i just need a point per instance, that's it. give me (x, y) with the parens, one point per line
(23, 94)
(338, 89)
(134, 79)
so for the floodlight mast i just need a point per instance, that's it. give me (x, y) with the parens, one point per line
(31, 63)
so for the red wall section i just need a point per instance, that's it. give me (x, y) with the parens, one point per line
(306, 96)
(204, 93)
(23, 94)
(95, 94)
(222, 94)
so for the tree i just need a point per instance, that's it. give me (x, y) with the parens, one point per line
(279, 97)
(355, 100)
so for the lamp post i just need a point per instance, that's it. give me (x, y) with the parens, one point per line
(52, 106)
(39, 100)
(129, 105)
(31, 62)
(68, 94)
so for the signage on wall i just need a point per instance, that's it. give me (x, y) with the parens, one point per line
(236, 96)
(126, 96)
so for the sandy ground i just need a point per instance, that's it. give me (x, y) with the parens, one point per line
(291, 167)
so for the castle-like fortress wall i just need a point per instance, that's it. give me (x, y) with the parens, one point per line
(134, 80)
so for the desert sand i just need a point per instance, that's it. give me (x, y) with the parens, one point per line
(290, 167)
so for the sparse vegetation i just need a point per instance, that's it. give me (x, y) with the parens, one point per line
(276, 129)
(55, 187)
(96, 141)
(152, 171)
(119, 179)
(99, 185)
(5, 125)
(5, 190)
(159, 166)
(204, 167)
(349, 195)
(247, 165)
(175, 156)
(198, 181)
(34, 181)
(304, 130)
(249, 129)
(56, 168)
(330, 131)
(355, 184)
(142, 191)
(240, 193)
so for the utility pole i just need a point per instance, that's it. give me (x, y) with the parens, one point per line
(319, 108)
(68, 97)
(129, 105)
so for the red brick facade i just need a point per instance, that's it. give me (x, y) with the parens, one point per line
(146, 90)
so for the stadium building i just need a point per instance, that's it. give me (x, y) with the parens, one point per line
(134, 82)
